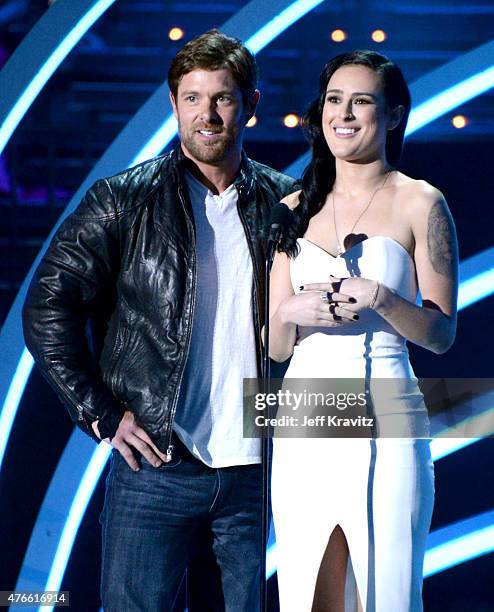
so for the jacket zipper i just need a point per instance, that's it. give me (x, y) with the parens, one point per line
(68, 393)
(170, 446)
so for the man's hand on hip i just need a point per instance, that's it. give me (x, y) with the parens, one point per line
(129, 435)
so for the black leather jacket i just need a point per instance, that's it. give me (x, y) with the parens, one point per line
(108, 316)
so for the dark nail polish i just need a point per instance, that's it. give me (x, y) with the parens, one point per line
(301, 287)
(352, 300)
(356, 317)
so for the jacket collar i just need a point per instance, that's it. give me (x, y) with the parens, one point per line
(244, 181)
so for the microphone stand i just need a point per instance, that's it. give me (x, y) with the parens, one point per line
(265, 441)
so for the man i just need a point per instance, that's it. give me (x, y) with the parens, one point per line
(169, 253)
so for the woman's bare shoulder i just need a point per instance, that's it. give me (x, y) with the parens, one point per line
(292, 199)
(417, 195)
(427, 212)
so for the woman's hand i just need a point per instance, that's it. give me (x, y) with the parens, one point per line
(319, 305)
(363, 292)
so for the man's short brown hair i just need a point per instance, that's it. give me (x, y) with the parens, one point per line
(214, 50)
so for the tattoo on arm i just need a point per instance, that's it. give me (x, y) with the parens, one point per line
(441, 242)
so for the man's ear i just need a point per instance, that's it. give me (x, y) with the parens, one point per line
(250, 107)
(396, 116)
(174, 105)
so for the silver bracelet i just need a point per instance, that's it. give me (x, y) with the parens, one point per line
(374, 296)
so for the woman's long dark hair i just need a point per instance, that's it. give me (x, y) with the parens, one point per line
(319, 176)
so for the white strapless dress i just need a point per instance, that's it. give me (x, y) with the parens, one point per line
(380, 491)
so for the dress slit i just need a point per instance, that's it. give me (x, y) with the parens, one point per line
(335, 590)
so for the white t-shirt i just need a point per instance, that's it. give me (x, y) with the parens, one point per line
(209, 416)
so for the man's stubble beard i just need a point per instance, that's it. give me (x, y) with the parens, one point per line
(209, 153)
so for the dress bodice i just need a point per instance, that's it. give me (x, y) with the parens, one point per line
(377, 258)
(369, 349)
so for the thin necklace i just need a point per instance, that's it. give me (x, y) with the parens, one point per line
(339, 248)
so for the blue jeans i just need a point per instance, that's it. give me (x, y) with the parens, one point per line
(153, 521)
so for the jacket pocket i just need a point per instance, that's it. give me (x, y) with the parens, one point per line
(109, 366)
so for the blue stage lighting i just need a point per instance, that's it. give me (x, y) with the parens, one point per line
(165, 134)
(478, 287)
(279, 24)
(61, 512)
(442, 447)
(12, 399)
(460, 542)
(77, 510)
(39, 56)
(450, 98)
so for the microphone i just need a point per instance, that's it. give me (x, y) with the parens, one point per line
(279, 220)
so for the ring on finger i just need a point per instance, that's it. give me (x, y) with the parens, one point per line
(326, 297)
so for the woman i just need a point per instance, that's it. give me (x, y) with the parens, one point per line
(352, 515)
